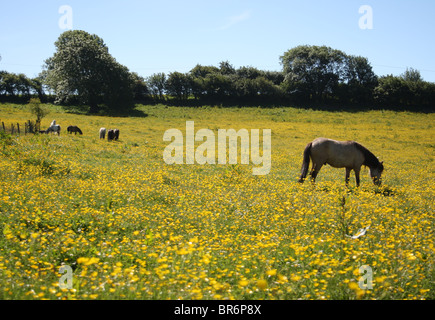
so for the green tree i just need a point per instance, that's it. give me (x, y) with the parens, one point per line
(226, 68)
(9, 83)
(200, 71)
(392, 92)
(15, 85)
(407, 91)
(275, 76)
(157, 84)
(23, 85)
(37, 110)
(412, 75)
(199, 83)
(140, 88)
(314, 72)
(360, 81)
(245, 87)
(249, 73)
(266, 88)
(2, 86)
(179, 85)
(82, 70)
(37, 88)
(217, 86)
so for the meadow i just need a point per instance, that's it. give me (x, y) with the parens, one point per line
(132, 227)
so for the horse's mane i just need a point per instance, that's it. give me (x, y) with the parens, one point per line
(370, 159)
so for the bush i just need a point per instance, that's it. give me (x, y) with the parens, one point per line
(37, 110)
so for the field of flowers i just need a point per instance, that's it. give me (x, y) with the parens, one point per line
(132, 227)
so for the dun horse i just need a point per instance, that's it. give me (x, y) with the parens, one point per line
(74, 129)
(340, 154)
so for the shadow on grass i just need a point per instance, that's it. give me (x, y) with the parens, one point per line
(104, 112)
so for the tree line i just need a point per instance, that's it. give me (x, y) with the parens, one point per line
(83, 73)
(19, 88)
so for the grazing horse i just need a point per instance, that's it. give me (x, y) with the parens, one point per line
(102, 133)
(55, 129)
(340, 154)
(116, 134)
(110, 135)
(74, 129)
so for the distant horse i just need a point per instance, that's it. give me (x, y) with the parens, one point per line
(55, 129)
(116, 134)
(110, 135)
(340, 154)
(102, 133)
(74, 129)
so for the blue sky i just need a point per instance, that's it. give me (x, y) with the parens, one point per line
(168, 35)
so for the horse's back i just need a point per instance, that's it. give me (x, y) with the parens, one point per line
(56, 129)
(324, 145)
(335, 153)
(319, 142)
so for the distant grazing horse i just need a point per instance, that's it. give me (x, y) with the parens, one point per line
(340, 154)
(74, 129)
(116, 134)
(102, 133)
(55, 129)
(110, 135)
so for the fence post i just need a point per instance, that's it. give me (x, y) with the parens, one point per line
(3, 125)
(18, 128)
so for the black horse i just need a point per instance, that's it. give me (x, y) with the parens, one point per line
(113, 134)
(74, 129)
(110, 135)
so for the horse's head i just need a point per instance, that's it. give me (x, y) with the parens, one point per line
(376, 172)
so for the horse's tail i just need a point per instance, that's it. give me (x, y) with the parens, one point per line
(306, 162)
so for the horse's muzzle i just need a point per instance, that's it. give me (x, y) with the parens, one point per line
(377, 181)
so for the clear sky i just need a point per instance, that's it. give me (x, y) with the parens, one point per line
(168, 35)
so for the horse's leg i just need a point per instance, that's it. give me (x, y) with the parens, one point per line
(357, 170)
(315, 171)
(347, 176)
